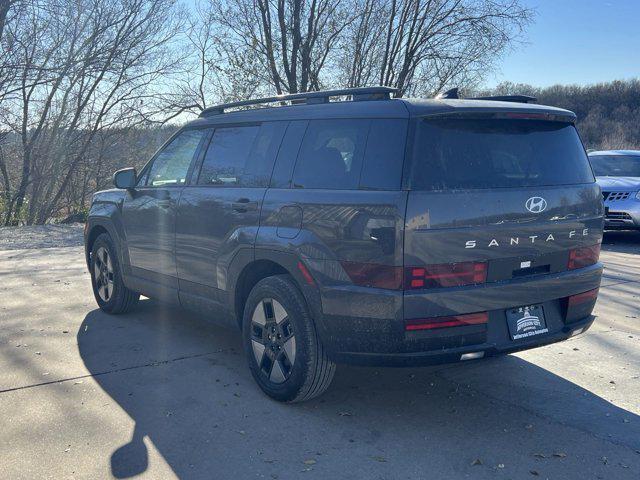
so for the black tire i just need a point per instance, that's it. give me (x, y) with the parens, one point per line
(119, 298)
(311, 372)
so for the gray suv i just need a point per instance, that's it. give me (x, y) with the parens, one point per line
(618, 174)
(350, 227)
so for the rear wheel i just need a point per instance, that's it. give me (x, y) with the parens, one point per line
(109, 290)
(285, 354)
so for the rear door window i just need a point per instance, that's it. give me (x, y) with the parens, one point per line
(241, 156)
(288, 153)
(331, 154)
(495, 153)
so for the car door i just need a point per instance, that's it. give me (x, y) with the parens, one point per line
(219, 213)
(149, 210)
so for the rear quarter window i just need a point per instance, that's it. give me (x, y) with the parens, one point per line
(494, 153)
(347, 155)
(331, 154)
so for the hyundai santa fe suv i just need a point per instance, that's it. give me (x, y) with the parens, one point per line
(352, 227)
(618, 174)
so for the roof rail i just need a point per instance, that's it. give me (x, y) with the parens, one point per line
(356, 94)
(454, 94)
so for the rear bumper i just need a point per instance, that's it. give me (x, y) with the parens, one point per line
(367, 326)
(453, 355)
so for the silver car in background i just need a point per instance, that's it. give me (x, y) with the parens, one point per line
(618, 174)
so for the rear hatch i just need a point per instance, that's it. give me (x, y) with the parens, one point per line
(515, 193)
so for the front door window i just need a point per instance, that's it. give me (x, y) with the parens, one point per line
(172, 164)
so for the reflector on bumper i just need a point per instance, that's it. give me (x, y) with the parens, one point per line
(580, 305)
(447, 322)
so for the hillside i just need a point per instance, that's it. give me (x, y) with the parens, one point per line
(608, 113)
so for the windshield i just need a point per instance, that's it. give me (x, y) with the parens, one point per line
(496, 153)
(615, 165)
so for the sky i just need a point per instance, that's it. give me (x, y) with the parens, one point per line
(575, 42)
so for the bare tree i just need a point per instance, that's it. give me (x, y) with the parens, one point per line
(420, 46)
(4, 11)
(82, 80)
(87, 66)
(286, 44)
(8, 72)
(210, 70)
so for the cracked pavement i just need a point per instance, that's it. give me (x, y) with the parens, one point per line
(161, 393)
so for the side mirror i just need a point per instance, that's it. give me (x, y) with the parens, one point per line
(125, 178)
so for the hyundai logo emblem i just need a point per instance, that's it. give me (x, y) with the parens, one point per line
(536, 204)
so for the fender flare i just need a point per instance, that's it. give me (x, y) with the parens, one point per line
(116, 234)
(288, 262)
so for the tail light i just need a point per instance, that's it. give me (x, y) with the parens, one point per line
(583, 256)
(446, 322)
(446, 275)
(374, 275)
(430, 276)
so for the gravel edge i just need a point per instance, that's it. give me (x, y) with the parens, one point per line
(41, 236)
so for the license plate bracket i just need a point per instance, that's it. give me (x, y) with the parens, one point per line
(526, 321)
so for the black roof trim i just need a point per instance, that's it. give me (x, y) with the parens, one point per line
(450, 94)
(454, 94)
(356, 94)
(551, 116)
(508, 98)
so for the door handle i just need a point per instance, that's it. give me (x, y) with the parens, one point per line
(244, 205)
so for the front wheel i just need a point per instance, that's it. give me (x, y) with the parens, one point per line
(110, 291)
(285, 354)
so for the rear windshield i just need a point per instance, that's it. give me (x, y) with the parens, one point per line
(495, 153)
(615, 165)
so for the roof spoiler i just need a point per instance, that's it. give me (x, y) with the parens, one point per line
(356, 94)
(454, 94)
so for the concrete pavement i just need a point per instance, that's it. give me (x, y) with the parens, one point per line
(161, 393)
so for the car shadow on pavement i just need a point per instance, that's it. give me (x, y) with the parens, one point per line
(185, 385)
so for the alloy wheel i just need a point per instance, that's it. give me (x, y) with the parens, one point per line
(103, 274)
(273, 340)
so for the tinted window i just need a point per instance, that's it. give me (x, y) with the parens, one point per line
(227, 155)
(476, 154)
(259, 166)
(331, 154)
(382, 169)
(616, 165)
(171, 165)
(288, 153)
(242, 156)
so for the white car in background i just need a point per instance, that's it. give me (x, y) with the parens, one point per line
(618, 174)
